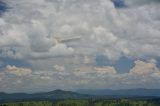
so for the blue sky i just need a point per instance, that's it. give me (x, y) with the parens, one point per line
(3, 7)
(74, 44)
(119, 3)
(122, 65)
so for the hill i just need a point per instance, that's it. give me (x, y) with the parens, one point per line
(53, 95)
(81, 94)
(124, 92)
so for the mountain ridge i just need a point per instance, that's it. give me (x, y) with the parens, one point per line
(81, 94)
(52, 95)
(121, 92)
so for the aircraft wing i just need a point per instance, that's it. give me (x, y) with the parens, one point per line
(68, 39)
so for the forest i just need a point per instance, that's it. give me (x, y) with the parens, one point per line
(91, 102)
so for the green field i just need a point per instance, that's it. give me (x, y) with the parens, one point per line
(120, 102)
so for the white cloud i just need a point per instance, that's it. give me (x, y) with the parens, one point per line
(103, 28)
(87, 60)
(143, 68)
(59, 68)
(2, 75)
(18, 71)
(105, 70)
(57, 50)
(29, 28)
(140, 2)
(143, 74)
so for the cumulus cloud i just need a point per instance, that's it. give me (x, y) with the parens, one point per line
(142, 68)
(140, 2)
(2, 75)
(18, 71)
(102, 28)
(59, 68)
(57, 50)
(106, 70)
(29, 31)
(141, 75)
(87, 60)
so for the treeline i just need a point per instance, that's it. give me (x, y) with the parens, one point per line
(118, 102)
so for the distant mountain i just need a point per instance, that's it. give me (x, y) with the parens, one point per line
(53, 95)
(123, 92)
(81, 94)
(61, 94)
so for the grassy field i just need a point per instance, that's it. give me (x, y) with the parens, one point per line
(120, 102)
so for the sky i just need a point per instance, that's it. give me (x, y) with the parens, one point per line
(79, 44)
